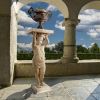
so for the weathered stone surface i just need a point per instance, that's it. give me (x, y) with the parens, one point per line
(97, 96)
(38, 98)
(5, 7)
(79, 83)
(5, 50)
(55, 68)
(60, 98)
(93, 89)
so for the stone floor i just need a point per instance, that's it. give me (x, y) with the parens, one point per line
(86, 87)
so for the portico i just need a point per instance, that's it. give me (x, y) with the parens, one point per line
(8, 31)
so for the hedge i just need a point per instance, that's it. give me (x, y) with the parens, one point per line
(28, 56)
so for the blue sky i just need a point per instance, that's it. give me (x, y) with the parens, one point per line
(87, 32)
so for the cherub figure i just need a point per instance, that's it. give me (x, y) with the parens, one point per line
(40, 40)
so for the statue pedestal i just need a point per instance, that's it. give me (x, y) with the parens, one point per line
(44, 88)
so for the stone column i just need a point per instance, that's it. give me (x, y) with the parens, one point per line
(7, 42)
(69, 52)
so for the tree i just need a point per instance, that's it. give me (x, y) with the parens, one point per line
(81, 49)
(94, 48)
(59, 47)
(47, 50)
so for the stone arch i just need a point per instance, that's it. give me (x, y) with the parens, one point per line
(62, 7)
(59, 4)
(91, 5)
(95, 4)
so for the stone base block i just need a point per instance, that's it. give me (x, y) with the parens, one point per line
(69, 60)
(37, 90)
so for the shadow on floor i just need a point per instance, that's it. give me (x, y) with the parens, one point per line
(23, 95)
(54, 80)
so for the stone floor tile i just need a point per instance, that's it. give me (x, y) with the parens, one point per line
(77, 90)
(97, 96)
(16, 94)
(22, 81)
(56, 92)
(60, 98)
(97, 80)
(80, 97)
(79, 83)
(45, 94)
(19, 87)
(38, 98)
(79, 93)
(93, 89)
(53, 81)
(11, 95)
(56, 86)
(1, 92)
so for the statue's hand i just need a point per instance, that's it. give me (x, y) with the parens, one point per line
(34, 34)
(46, 35)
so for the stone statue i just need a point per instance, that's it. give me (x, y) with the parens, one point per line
(40, 40)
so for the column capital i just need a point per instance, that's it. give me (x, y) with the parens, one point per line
(70, 22)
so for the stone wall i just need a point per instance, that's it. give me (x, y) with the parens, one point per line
(4, 49)
(55, 68)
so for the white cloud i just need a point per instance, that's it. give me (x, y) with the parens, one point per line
(91, 45)
(51, 8)
(59, 25)
(84, 45)
(24, 45)
(94, 33)
(23, 30)
(24, 18)
(51, 45)
(90, 23)
(20, 27)
(90, 17)
(21, 33)
(60, 15)
(29, 45)
(89, 11)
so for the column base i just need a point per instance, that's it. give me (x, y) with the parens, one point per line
(69, 60)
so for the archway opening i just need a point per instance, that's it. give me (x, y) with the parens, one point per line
(24, 41)
(88, 31)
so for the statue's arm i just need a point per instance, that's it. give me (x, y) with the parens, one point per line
(34, 40)
(46, 40)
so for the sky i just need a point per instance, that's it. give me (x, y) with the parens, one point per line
(87, 31)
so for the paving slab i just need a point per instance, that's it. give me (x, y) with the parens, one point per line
(79, 83)
(38, 98)
(79, 93)
(60, 98)
(93, 89)
(97, 96)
